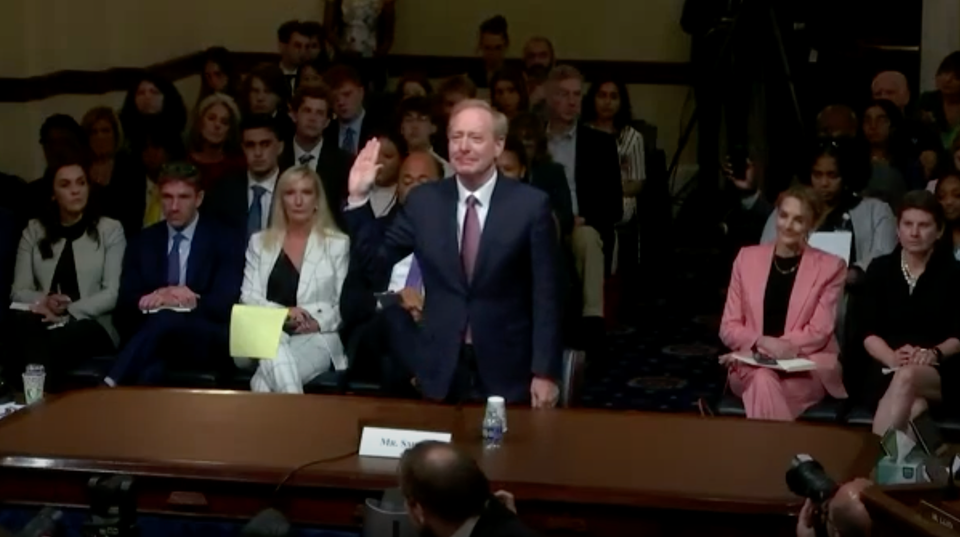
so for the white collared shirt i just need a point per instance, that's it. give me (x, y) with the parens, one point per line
(299, 152)
(467, 528)
(398, 277)
(266, 201)
(483, 194)
(563, 149)
(184, 249)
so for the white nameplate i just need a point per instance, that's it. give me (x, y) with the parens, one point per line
(391, 443)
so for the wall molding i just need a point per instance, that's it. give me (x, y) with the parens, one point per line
(72, 82)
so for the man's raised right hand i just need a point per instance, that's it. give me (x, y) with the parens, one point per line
(364, 172)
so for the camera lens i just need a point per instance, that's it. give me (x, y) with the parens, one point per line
(806, 478)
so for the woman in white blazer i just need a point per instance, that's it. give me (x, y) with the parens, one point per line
(66, 279)
(299, 263)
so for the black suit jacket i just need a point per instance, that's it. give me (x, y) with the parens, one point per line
(513, 304)
(214, 271)
(10, 230)
(333, 167)
(550, 177)
(368, 129)
(498, 521)
(228, 203)
(598, 177)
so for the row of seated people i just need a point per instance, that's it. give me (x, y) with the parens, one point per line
(87, 299)
(895, 306)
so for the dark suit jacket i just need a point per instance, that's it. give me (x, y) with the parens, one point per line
(333, 167)
(498, 521)
(368, 129)
(228, 203)
(513, 303)
(10, 231)
(214, 271)
(550, 177)
(599, 186)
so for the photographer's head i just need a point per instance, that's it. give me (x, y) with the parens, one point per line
(846, 516)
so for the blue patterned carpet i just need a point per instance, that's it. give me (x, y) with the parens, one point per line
(666, 361)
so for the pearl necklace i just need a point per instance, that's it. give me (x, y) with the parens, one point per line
(911, 280)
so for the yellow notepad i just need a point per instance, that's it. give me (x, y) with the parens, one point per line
(255, 331)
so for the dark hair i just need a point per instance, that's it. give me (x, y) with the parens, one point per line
(50, 218)
(422, 106)
(173, 114)
(950, 64)
(319, 65)
(496, 25)
(898, 145)
(272, 77)
(260, 121)
(158, 134)
(845, 152)
(452, 489)
(340, 74)
(922, 200)
(515, 77)
(458, 84)
(311, 29)
(514, 145)
(624, 115)
(415, 77)
(540, 39)
(287, 29)
(65, 123)
(393, 136)
(180, 171)
(223, 58)
(321, 93)
(531, 123)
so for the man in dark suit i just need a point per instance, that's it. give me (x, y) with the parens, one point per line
(354, 125)
(180, 280)
(592, 165)
(447, 495)
(379, 328)
(491, 313)
(244, 202)
(10, 230)
(310, 110)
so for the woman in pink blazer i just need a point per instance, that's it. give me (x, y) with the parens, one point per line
(782, 303)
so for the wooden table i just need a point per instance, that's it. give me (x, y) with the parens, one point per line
(578, 471)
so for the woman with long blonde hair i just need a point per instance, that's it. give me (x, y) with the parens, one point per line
(299, 263)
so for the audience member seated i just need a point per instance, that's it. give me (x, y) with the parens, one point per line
(592, 167)
(383, 197)
(152, 102)
(922, 140)
(310, 75)
(59, 133)
(413, 84)
(266, 91)
(354, 126)
(948, 194)
(187, 262)
(911, 323)
(292, 44)
(508, 92)
(744, 208)
(317, 53)
(547, 176)
(508, 343)
(492, 45)
(298, 263)
(835, 180)
(452, 92)
(447, 495)
(893, 171)
(311, 110)
(941, 108)
(68, 275)
(538, 60)
(110, 165)
(244, 202)
(837, 121)
(219, 74)
(381, 332)
(782, 303)
(418, 128)
(215, 140)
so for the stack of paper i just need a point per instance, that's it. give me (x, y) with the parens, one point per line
(793, 365)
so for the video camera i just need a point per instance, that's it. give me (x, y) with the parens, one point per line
(807, 478)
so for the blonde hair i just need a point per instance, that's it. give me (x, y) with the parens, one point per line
(103, 113)
(564, 72)
(807, 197)
(233, 136)
(323, 222)
(500, 123)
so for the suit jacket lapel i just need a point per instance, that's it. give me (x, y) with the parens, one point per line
(268, 258)
(490, 229)
(198, 254)
(311, 257)
(807, 274)
(759, 285)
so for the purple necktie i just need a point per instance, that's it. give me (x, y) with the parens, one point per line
(469, 246)
(414, 278)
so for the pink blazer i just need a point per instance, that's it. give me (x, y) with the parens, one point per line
(811, 315)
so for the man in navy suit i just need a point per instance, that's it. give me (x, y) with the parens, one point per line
(180, 280)
(487, 250)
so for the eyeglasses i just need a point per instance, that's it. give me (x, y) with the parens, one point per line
(179, 169)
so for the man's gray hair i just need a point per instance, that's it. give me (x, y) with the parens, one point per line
(500, 123)
(564, 72)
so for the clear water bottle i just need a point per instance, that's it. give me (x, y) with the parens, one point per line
(492, 431)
